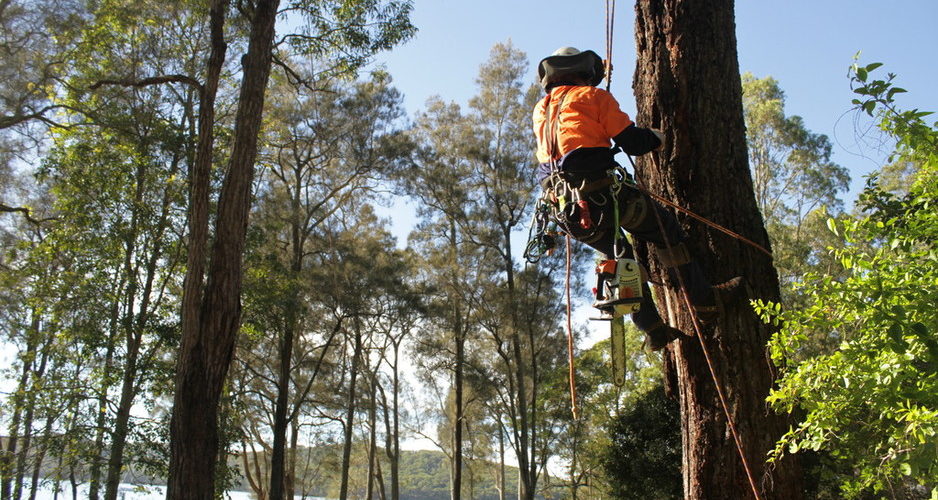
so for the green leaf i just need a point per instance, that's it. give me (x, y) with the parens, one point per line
(898, 344)
(905, 469)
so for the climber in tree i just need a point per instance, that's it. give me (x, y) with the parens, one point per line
(575, 125)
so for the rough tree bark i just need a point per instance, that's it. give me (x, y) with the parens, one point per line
(211, 317)
(687, 83)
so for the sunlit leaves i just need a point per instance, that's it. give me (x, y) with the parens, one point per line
(872, 401)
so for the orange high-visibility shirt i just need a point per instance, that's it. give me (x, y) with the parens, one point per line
(589, 117)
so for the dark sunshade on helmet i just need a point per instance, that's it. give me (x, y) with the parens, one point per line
(566, 62)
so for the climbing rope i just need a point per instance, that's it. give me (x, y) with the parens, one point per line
(665, 201)
(703, 345)
(610, 22)
(570, 359)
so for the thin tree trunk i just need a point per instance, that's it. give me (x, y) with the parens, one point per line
(687, 83)
(281, 410)
(459, 339)
(290, 480)
(350, 411)
(121, 427)
(501, 463)
(396, 443)
(9, 455)
(30, 406)
(278, 453)
(372, 436)
(458, 383)
(40, 457)
(208, 340)
(392, 442)
(136, 316)
(97, 461)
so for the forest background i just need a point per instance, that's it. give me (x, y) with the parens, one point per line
(67, 306)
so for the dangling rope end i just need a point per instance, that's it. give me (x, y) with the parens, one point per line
(570, 359)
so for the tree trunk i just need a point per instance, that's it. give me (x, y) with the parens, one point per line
(372, 435)
(7, 472)
(350, 411)
(30, 405)
(121, 427)
(278, 452)
(289, 480)
(500, 480)
(459, 339)
(687, 83)
(97, 461)
(395, 454)
(211, 323)
(278, 490)
(391, 414)
(458, 383)
(40, 457)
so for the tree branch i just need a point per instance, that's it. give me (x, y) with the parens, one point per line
(26, 213)
(153, 80)
(295, 78)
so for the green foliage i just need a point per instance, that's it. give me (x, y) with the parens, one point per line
(872, 402)
(644, 461)
(587, 443)
(796, 184)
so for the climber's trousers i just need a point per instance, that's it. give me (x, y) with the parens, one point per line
(637, 216)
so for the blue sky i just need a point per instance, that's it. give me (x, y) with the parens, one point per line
(806, 45)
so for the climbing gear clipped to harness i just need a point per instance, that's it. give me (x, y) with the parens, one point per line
(541, 240)
(576, 205)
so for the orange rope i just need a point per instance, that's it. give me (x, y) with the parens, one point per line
(703, 345)
(665, 201)
(570, 360)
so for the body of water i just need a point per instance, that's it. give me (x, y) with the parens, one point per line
(132, 492)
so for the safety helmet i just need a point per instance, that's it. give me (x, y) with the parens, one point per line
(566, 62)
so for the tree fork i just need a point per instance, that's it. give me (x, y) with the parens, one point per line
(211, 319)
(687, 83)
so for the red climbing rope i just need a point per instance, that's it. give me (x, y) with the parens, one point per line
(665, 201)
(570, 361)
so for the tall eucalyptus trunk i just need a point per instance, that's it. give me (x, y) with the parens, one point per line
(212, 318)
(687, 84)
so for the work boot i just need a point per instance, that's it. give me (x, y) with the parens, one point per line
(661, 335)
(708, 313)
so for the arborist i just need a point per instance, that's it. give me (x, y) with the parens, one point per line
(575, 124)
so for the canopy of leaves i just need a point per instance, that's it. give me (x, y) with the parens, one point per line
(796, 184)
(872, 401)
(644, 460)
